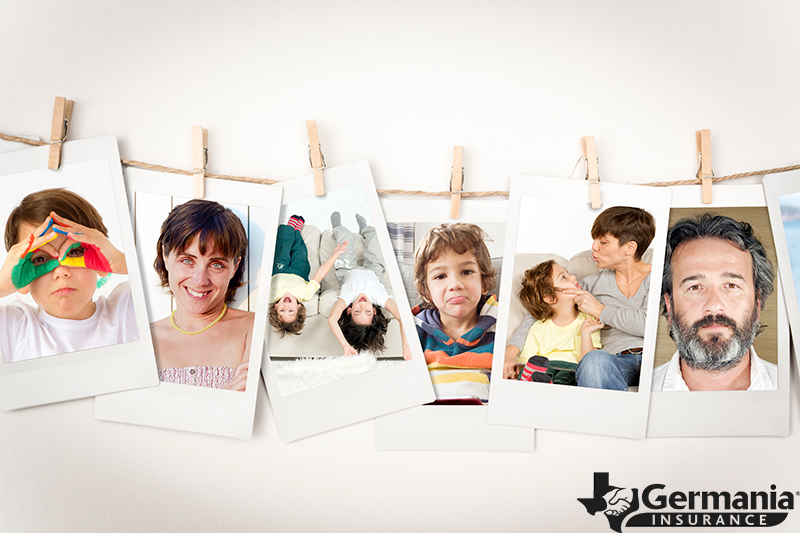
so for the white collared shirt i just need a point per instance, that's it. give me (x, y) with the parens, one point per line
(668, 377)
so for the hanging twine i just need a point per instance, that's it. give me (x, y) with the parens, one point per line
(159, 168)
(148, 166)
(696, 181)
(481, 194)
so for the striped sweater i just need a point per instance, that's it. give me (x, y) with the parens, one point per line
(459, 368)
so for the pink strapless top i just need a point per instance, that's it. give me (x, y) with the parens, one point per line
(215, 377)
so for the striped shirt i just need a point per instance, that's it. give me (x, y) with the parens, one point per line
(460, 367)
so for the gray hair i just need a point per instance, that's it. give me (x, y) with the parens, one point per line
(709, 225)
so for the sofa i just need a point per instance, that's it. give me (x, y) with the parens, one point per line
(316, 339)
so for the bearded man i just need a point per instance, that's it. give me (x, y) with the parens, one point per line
(716, 280)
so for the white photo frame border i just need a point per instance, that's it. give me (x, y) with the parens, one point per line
(578, 409)
(102, 370)
(727, 413)
(775, 186)
(378, 392)
(447, 427)
(186, 407)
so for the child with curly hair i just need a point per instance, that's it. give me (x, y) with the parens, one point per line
(560, 337)
(356, 319)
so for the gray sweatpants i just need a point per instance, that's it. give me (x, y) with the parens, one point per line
(373, 259)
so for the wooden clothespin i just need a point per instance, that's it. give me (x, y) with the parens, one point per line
(62, 114)
(199, 159)
(704, 170)
(456, 181)
(592, 174)
(315, 157)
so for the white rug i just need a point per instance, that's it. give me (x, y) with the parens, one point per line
(296, 375)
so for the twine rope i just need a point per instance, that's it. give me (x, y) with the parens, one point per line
(479, 194)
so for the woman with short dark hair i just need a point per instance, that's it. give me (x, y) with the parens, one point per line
(200, 259)
(617, 295)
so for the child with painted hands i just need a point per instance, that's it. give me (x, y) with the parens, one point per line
(20, 268)
(61, 261)
(97, 251)
(58, 241)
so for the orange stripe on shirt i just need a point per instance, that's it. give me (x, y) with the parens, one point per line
(464, 360)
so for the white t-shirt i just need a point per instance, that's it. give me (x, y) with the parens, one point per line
(27, 332)
(361, 280)
(668, 377)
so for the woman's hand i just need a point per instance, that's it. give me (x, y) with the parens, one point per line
(239, 380)
(98, 252)
(585, 301)
(18, 258)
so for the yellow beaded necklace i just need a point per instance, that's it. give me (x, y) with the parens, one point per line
(199, 331)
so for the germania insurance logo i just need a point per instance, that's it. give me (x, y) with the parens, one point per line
(657, 506)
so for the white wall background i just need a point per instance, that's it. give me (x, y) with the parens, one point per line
(517, 83)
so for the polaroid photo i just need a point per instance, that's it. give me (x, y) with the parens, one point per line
(457, 420)
(204, 263)
(75, 323)
(341, 340)
(722, 360)
(783, 199)
(550, 343)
